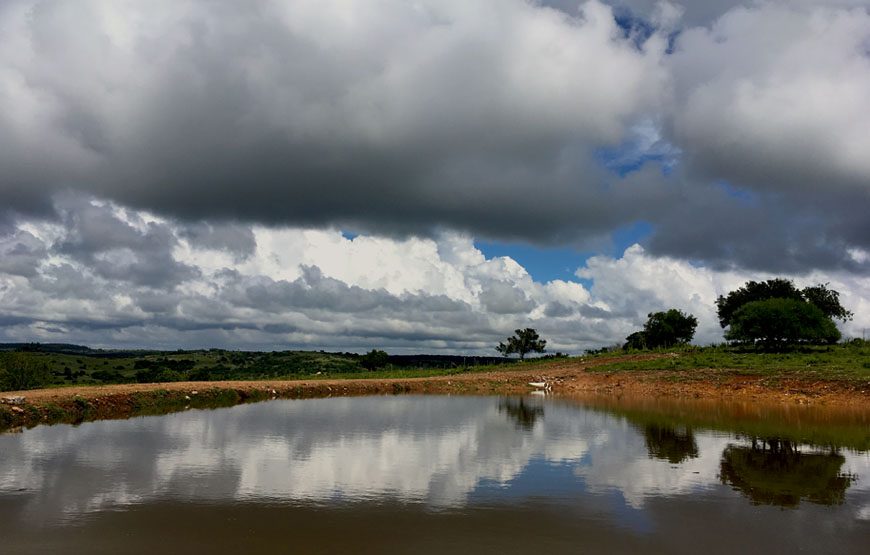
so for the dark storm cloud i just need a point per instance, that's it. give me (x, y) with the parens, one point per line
(502, 118)
(67, 281)
(727, 227)
(115, 249)
(482, 117)
(20, 253)
(235, 238)
(404, 121)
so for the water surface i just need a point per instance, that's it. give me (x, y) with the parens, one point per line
(428, 474)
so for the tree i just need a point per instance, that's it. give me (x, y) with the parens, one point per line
(775, 323)
(524, 341)
(19, 371)
(666, 329)
(775, 313)
(663, 329)
(827, 300)
(374, 359)
(754, 291)
(636, 341)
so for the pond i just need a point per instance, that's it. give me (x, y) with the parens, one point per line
(435, 474)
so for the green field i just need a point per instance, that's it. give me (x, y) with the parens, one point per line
(849, 361)
(94, 367)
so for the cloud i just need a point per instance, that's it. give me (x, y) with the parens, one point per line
(383, 116)
(20, 252)
(320, 289)
(638, 279)
(692, 13)
(775, 97)
(188, 165)
(546, 123)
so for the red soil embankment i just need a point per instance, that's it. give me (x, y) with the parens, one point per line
(564, 378)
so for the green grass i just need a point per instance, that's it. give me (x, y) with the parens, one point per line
(215, 365)
(837, 362)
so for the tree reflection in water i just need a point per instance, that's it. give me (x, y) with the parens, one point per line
(775, 472)
(674, 445)
(523, 411)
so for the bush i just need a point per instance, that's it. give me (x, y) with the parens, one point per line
(374, 359)
(19, 371)
(108, 376)
(158, 375)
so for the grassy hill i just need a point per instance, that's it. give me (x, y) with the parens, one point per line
(66, 364)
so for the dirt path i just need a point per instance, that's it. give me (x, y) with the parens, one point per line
(564, 378)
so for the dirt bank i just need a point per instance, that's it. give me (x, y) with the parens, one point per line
(563, 378)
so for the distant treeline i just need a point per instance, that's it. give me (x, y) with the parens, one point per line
(398, 361)
(72, 349)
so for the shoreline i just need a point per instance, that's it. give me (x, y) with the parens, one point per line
(572, 378)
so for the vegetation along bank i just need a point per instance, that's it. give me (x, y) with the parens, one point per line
(836, 375)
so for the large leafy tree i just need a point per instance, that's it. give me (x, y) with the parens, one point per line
(663, 329)
(775, 323)
(522, 342)
(754, 291)
(775, 313)
(825, 299)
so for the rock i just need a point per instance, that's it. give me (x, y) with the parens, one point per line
(17, 409)
(187, 397)
(13, 400)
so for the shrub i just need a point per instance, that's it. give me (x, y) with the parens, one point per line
(374, 359)
(20, 371)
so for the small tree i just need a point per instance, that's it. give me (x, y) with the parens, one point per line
(19, 371)
(374, 359)
(523, 341)
(663, 329)
(666, 329)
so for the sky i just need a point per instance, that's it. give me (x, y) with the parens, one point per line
(423, 176)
